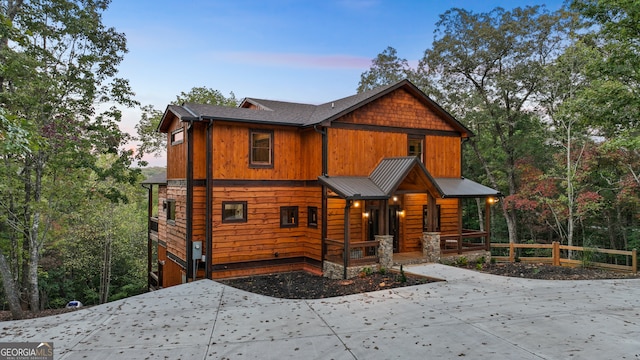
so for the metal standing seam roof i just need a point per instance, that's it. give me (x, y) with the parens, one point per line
(461, 188)
(389, 174)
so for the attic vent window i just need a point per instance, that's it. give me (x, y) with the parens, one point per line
(177, 136)
(260, 148)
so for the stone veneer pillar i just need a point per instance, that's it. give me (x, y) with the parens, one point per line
(431, 246)
(385, 251)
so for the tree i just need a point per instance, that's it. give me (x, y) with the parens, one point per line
(387, 68)
(59, 61)
(612, 104)
(153, 142)
(489, 66)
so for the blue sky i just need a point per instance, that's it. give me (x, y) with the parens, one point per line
(293, 50)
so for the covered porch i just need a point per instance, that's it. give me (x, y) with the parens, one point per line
(400, 214)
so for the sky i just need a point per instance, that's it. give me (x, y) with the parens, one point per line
(308, 51)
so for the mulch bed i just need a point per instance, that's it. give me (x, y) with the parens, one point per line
(549, 272)
(303, 285)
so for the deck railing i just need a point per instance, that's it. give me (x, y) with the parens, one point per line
(558, 255)
(359, 253)
(469, 240)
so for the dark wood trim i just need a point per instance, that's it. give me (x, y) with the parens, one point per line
(183, 182)
(162, 243)
(265, 263)
(266, 183)
(176, 260)
(189, 202)
(243, 183)
(423, 132)
(209, 199)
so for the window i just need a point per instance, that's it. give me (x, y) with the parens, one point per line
(177, 136)
(312, 216)
(425, 218)
(171, 210)
(261, 148)
(289, 216)
(415, 147)
(234, 211)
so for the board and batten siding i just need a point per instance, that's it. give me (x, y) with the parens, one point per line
(297, 153)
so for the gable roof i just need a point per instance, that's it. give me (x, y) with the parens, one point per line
(391, 174)
(298, 114)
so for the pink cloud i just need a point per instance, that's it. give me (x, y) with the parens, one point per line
(298, 60)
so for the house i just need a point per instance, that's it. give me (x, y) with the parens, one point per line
(372, 179)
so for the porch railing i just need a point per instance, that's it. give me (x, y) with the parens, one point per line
(468, 240)
(359, 253)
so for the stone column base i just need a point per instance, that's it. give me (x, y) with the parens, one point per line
(431, 246)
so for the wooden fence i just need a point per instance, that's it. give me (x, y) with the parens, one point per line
(557, 256)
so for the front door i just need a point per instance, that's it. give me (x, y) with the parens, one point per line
(394, 226)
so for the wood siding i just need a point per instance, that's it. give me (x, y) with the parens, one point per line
(261, 237)
(176, 154)
(398, 109)
(443, 157)
(357, 152)
(231, 148)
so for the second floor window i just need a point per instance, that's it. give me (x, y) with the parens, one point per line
(261, 148)
(415, 147)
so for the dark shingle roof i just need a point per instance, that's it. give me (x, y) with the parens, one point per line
(297, 114)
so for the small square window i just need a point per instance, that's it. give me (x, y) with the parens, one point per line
(312, 216)
(261, 148)
(234, 211)
(177, 136)
(171, 210)
(289, 216)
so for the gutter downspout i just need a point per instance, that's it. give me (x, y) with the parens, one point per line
(189, 204)
(209, 206)
(325, 171)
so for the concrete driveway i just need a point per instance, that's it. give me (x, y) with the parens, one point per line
(471, 315)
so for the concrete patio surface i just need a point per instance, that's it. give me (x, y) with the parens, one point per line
(471, 315)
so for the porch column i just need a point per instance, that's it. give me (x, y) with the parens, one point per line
(431, 246)
(385, 250)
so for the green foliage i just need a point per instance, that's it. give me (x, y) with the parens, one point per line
(387, 68)
(462, 261)
(366, 271)
(382, 270)
(403, 276)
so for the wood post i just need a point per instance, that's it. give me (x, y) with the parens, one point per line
(634, 260)
(555, 253)
(512, 253)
